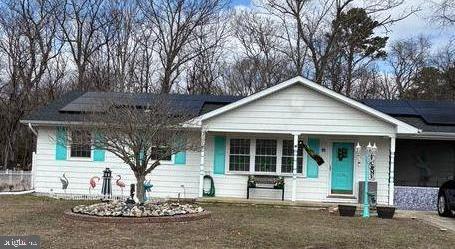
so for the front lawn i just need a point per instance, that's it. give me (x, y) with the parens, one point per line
(230, 226)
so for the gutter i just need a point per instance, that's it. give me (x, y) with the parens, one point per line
(32, 129)
(430, 136)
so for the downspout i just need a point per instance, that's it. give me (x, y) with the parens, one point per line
(32, 129)
(33, 157)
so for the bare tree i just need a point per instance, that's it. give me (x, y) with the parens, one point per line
(204, 72)
(444, 12)
(83, 24)
(141, 134)
(28, 29)
(406, 57)
(174, 23)
(315, 28)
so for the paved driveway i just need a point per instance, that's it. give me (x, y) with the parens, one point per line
(430, 217)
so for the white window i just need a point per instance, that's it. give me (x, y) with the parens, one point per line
(265, 160)
(239, 156)
(287, 159)
(81, 144)
(264, 156)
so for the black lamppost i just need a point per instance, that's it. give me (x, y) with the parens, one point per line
(106, 189)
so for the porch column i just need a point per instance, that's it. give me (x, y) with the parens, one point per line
(392, 170)
(294, 166)
(201, 166)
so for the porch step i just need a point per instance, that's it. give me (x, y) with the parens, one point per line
(268, 202)
(342, 197)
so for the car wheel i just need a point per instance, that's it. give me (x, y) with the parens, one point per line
(443, 206)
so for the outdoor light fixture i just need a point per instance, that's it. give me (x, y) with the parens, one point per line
(370, 156)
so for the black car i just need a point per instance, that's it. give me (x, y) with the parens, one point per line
(446, 198)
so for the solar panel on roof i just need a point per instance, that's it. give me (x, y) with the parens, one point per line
(96, 101)
(391, 107)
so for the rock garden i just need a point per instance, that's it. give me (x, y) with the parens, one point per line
(148, 209)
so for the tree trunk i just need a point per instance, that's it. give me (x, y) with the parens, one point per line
(140, 192)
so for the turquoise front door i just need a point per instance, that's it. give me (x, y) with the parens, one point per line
(342, 168)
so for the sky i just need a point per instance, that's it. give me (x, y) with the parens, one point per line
(415, 25)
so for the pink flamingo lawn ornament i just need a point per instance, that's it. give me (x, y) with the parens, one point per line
(93, 181)
(120, 183)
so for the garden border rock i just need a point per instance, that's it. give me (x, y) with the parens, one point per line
(150, 219)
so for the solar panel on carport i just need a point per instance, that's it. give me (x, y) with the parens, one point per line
(432, 112)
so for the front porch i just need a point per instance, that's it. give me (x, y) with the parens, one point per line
(231, 157)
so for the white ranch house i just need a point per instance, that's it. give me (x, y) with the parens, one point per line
(254, 135)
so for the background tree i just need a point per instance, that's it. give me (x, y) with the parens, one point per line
(260, 64)
(83, 25)
(444, 12)
(355, 42)
(405, 60)
(28, 29)
(175, 24)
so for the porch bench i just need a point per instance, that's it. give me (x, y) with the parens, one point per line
(265, 182)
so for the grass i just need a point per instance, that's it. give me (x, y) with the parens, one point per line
(231, 226)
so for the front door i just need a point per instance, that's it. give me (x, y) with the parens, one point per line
(342, 168)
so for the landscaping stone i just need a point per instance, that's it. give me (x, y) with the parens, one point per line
(148, 209)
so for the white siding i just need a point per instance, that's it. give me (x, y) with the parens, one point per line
(308, 189)
(299, 109)
(167, 179)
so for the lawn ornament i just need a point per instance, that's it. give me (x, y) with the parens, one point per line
(106, 189)
(147, 188)
(93, 181)
(313, 155)
(120, 183)
(64, 182)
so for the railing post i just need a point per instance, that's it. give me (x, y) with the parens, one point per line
(201, 166)
(294, 167)
(392, 170)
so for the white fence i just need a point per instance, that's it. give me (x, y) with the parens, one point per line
(15, 181)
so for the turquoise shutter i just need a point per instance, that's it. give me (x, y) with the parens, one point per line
(219, 155)
(312, 167)
(60, 145)
(180, 158)
(98, 153)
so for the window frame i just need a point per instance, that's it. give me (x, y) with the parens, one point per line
(164, 162)
(228, 156)
(303, 157)
(279, 147)
(69, 135)
(256, 155)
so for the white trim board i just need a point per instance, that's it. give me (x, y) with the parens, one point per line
(401, 127)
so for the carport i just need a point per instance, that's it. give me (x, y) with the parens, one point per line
(425, 161)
